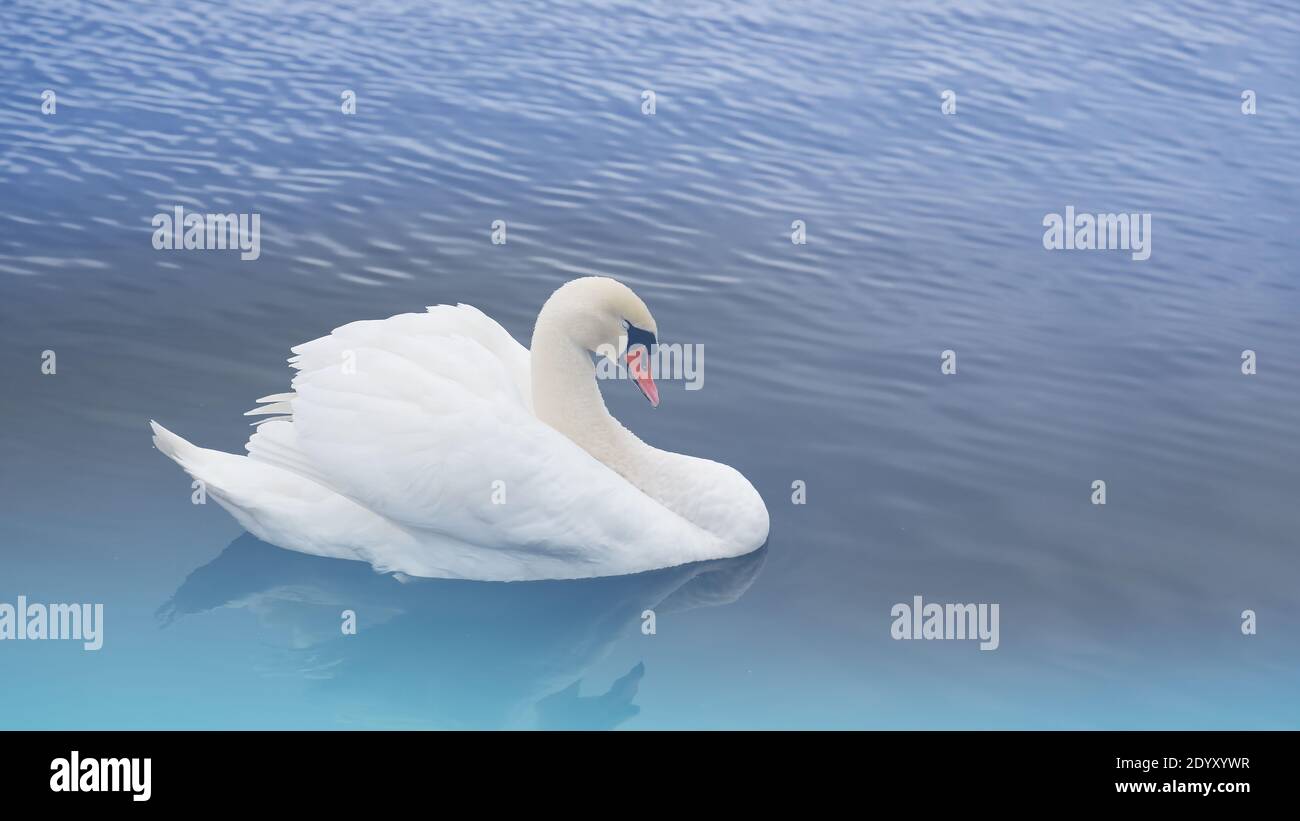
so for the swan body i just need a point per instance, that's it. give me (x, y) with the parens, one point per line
(436, 445)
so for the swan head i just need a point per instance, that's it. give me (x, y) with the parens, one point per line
(606, 317)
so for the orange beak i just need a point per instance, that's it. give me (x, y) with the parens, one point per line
(638, 363)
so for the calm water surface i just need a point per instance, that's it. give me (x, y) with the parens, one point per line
(822, 360)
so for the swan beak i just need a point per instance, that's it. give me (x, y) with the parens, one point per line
(640, 370)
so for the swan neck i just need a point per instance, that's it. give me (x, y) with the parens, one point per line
(567, 397)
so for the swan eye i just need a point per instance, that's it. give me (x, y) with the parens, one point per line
(638, 336)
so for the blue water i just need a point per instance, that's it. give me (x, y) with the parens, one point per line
(924, 233)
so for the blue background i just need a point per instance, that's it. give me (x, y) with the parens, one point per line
(822, 360)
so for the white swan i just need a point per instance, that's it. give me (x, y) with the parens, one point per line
(436, 445)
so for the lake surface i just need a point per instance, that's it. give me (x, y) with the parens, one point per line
(924, 234)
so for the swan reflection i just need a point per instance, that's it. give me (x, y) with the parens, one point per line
(452, 653)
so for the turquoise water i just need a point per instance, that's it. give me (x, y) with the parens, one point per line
(924, 234)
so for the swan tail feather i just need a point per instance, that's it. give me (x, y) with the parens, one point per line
(174, 447)
(225, 476)
(284, 508)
